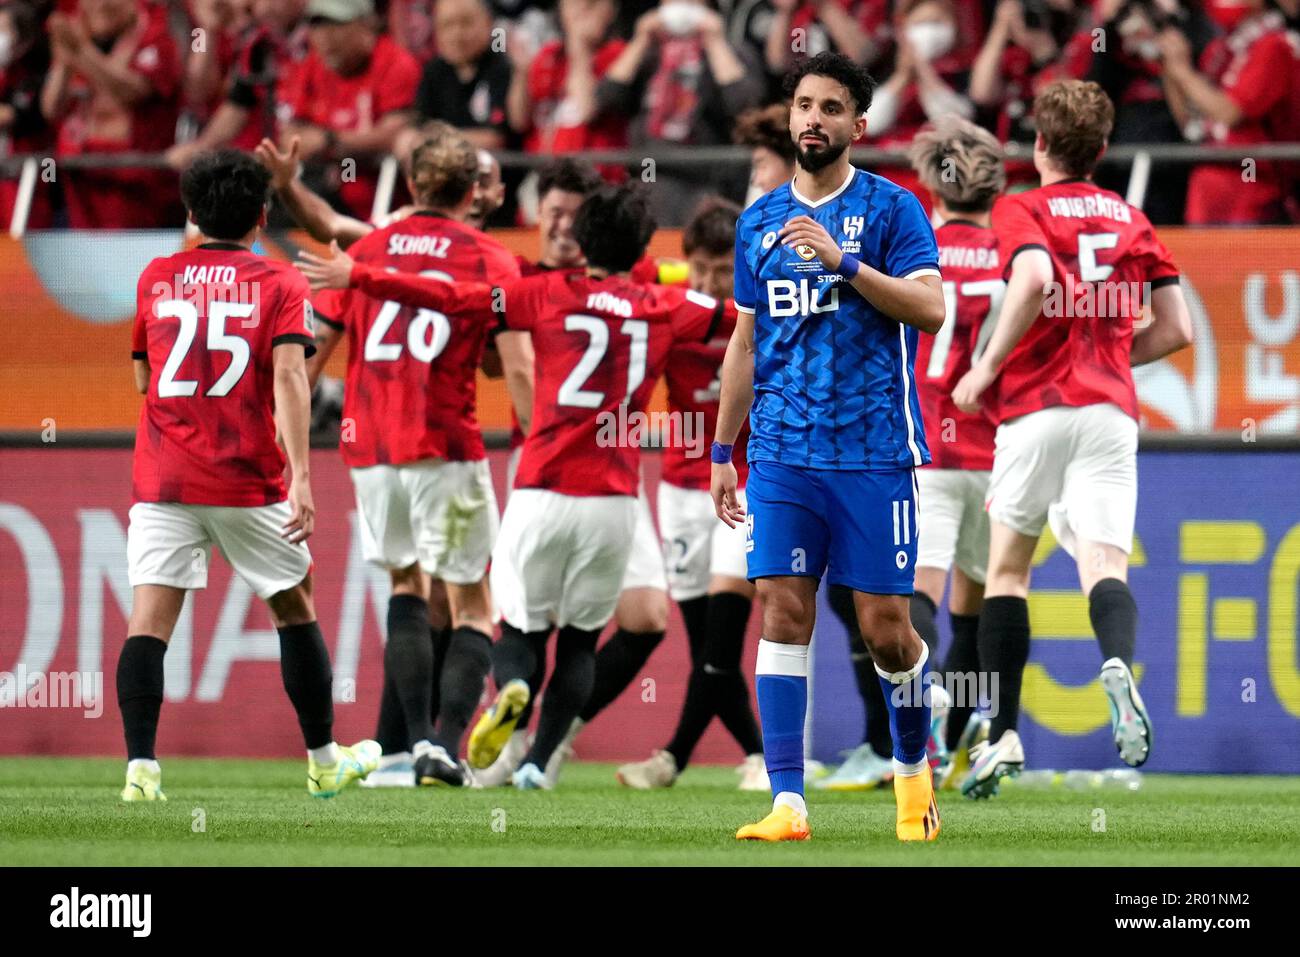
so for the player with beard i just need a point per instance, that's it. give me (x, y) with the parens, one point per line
(836, 275)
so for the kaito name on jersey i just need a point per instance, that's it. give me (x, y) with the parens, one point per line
(1086, 207)
(191, 286)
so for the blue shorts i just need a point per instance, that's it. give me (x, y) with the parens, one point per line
(859, 526)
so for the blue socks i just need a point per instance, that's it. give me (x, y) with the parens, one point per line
(782, 685)
(909, 711)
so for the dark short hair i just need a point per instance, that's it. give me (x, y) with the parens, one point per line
(712, 227)
(613, 226)
(839, 68)
(568, 176)
(768, 127)
(225, 192)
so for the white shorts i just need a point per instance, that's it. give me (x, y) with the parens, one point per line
(170, 544)
(952, 526)
(1074, 467)
(441, 514)
(645, 566)
(512, 467)
(560, 559)
(697, 543)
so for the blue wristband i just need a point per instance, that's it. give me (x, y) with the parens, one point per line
(849, 266)
(720, 454)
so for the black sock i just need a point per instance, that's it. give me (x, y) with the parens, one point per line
(1003, 643)
(876, 718)
(1114, 616)
(390, 731)
(620, 660)
(717, 684)
(961, 670)
(567, 691)
(408, 663)
(728, 619)
(520, 655)
(695, 615)
(922, 610)
(305, 669)
(441, 638)
(140, 693)
(464, 673)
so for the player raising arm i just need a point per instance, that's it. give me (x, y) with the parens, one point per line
(1084, 268)
(824, 349)
(218, 347)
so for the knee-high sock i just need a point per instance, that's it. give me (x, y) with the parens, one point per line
(876, 728)
(390, 731)
(441, 638)
(620, 660)
(717, 685)
(309, 680)
(464, 673)
(695, 615)
(1114, 616)
(408, 663)
(782, 686)
(566, 692)
(909, 711)
(922, 610)
(1003, 642)
(140, 693)
(961, 667)
(521, 655)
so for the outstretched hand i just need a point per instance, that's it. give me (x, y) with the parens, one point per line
(332, 273)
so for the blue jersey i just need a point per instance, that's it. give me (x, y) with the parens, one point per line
(833, 381)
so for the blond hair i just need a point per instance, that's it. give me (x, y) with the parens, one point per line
(443, 167)
(960, 163)
(1074, 118)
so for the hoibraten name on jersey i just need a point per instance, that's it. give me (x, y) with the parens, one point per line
(1089, 207)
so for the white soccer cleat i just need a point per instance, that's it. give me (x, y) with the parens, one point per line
(530, 778)
(1129, 723)
(143, 781)
(564, 752)
(753, 774)
(657, 771)
(862, 770)
(395, 770)
(497, 775)
(990, 762)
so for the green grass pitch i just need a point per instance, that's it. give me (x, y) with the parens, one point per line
(64, 811)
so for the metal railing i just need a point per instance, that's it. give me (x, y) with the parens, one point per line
(1140, 156)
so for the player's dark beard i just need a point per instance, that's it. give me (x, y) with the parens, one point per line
(817, 158)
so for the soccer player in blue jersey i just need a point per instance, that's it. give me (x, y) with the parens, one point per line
(836, 272)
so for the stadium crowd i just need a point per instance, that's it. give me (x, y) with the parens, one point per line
(352, 78)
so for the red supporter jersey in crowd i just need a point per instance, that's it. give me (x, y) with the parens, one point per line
(972, 290)
(1103, 251)
(553, 131)
(600, 345)
(208, 321)
(412, 373)
(315, 94)
(1258, 67)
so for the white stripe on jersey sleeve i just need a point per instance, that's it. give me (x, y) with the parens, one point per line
(907, 397)
(923, 271)
(747, 310)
